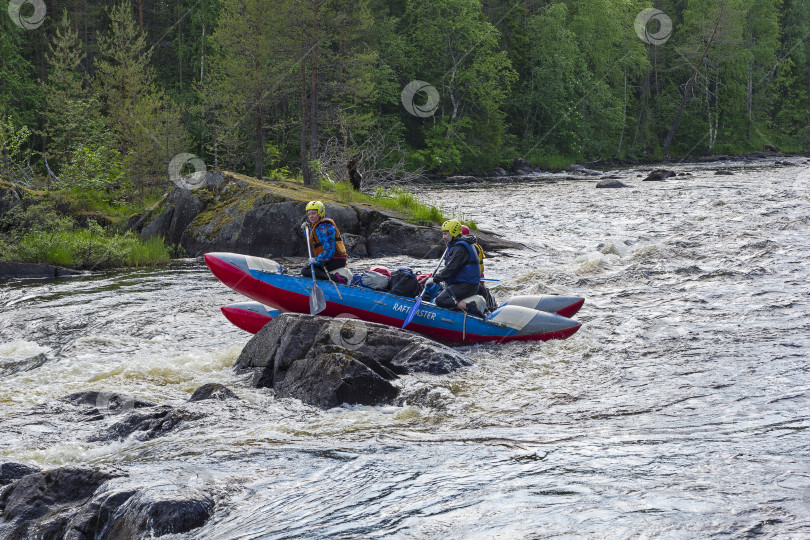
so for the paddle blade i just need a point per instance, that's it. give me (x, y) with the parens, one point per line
(317, 302)
(413, 310)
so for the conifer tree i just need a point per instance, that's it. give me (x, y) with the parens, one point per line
(19, 94)
(71, 116)
(145, 124)
(249, 71)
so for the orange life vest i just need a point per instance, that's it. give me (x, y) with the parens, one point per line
(317, 247)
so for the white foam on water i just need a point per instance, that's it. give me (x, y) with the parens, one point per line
(19, 349)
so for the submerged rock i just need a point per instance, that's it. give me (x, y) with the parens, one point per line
(12, 366)
(94, 405)
(461, 179)
(326, 362)
(146, 425)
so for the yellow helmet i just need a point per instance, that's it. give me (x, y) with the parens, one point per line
(316, 205)
(453, 226)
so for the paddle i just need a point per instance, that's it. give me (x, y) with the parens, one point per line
(418, 301)
(317, 302)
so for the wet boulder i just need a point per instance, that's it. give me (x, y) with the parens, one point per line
(326, 362)
(112, 401)
(84, 504)
(17, 365)
(95, 405)
(156, 511)
(355, 244)
(723, 172)
(33, 270)
(146, 425)
(659, 175)
(212, 391)
(10, 472)
(581, 169)
(42, 504)
(611, 183)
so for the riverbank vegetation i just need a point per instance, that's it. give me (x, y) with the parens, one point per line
(55, 231)
(108, 103)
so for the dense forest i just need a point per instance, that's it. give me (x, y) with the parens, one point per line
(104, 95)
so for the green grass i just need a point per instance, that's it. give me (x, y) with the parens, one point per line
(112, 208)
(396, 199)
(87, 248)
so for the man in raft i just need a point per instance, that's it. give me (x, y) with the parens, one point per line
(461, 271)
(328, 251)
(492, 305)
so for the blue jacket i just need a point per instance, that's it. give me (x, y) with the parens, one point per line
(461, 263)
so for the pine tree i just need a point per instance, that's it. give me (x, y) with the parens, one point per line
(71, 116)
(145, 124)
(19, 94)
(250, 69)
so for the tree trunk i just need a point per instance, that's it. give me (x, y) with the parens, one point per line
(749, 100)
(202, 56)
(305, 172)
(643, 113)
(259, 111)
(313, 91)
(689, 84)
(140, 14)
(180, 43)
(624, 117)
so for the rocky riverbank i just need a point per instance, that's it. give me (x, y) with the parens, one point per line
(232, 212)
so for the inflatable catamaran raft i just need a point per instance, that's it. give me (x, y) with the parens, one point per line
(521, 318)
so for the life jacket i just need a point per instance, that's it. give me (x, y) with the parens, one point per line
(480, 251)
(470, 272)
(317, 247)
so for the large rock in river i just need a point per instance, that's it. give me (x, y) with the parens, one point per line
(42, 504)
(326, 362)
(243, 215)
(84, 504)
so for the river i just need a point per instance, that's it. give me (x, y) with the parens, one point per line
(680, 409)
